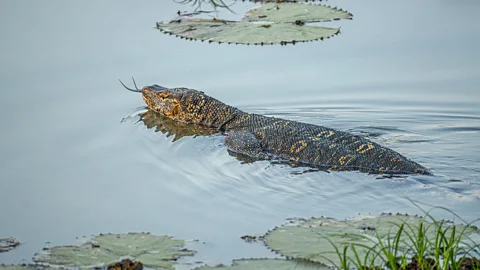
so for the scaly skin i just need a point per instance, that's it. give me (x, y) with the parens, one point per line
(262, 137)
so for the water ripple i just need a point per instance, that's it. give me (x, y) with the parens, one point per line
(203, 170)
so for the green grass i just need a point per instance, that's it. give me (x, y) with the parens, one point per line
(368, 261)
(444, 251)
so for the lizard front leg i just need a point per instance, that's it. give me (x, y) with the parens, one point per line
(245, 143)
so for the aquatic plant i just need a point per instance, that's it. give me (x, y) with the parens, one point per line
(266, 264)
(125, 264)
(270, 23)
(24, 267)
(221, 3)
(384, 242)
(104, 249)
(387, 240)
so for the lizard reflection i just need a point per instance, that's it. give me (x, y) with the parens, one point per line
(170, 127)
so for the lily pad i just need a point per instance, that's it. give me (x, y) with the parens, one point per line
(314, 239)
(267, 264)
(124, 264)
(9, 243)
(26, 267)
(23, 267)
(271, 23)
(158, 252)
(258, 33)
(296, 12)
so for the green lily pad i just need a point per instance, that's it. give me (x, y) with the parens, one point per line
(124, 264)
(25, 267)
(9, 243)
(314, 239)
(266, 264)
(293, 12)
(153, 251)
(19, 267)
(271, 23)
(257, 33)
(222, 4)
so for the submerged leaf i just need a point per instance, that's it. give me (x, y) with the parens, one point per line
(153, 251)
(245, 32)
(294, 12)
(267, 264)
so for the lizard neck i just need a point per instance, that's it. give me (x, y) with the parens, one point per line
(207, 111)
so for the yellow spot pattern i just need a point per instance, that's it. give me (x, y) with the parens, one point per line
(345, 160)
(364, 148)
(395, 160)
(298, 146)
(325, 134)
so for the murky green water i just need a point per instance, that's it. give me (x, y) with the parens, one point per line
(403, 73)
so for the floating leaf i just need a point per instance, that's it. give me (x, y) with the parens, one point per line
(295, 12)
(124, 264)
(245, 32)
(271, 23)
(152, 251)
(23, 267)
(8, 243)
(266, 264)
(314, 239)
(222, 4)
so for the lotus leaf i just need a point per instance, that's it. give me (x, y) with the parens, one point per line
(26, 267)
(257, 33)
(16, 267)
(124, 264)
(294, 12)
(314, 239)
(267, 264)
(152, 251)
(222, 4)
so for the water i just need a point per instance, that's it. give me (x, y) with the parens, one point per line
(405, 74)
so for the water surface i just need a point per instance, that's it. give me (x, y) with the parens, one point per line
(405, 74)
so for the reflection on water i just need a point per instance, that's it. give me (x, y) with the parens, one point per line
(199, 3)
(69, 168)
(169, 127)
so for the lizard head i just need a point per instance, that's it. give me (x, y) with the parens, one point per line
(172, 102)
